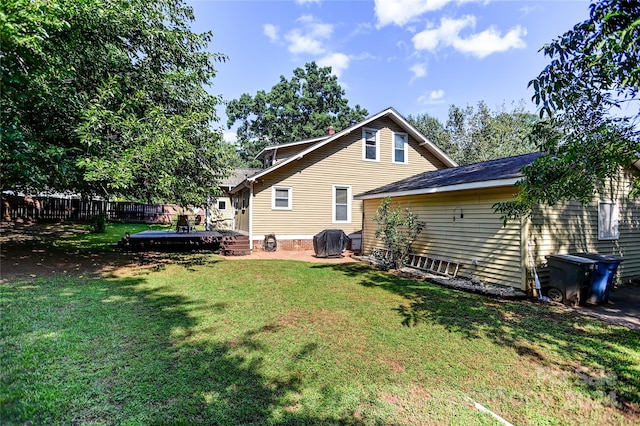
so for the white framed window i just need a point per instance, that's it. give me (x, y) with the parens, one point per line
(608, 215)
(282, 198)
(400, 148)
(222, 205)
(370, 145)
(341, 204)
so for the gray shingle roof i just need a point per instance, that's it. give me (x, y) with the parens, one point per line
(238, 176)
(503, 168)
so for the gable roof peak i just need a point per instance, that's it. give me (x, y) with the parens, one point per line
(323, 140)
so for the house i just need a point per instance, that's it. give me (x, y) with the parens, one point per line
(462, 226)
(222, 212)
(308, 186)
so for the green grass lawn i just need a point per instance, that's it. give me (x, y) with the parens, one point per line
(214, 341)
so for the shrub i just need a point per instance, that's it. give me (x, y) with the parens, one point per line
(398, 228)
(99, 224)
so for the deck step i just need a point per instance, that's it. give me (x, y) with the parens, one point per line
(235, 246)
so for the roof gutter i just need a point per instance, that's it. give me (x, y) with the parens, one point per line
(435, 190)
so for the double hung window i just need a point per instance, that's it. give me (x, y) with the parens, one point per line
(400, 148)
(282, 198)
(341, 204)
(370, 145)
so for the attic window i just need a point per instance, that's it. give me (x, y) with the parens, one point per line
(370, 145)
(608, 220)
(400, 145)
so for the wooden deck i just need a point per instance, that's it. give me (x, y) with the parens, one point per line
(229, 243)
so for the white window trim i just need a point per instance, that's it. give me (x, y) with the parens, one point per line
(225, 204)
(603, 233)
(333, 203)
(364, 144)
(273, 198)
(393, 148)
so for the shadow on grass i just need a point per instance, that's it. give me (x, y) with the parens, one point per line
(37, 251)
(574, 340)
(115, 351)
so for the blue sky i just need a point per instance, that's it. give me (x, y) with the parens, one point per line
(418, 56)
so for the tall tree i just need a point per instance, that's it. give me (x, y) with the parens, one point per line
(588, 95)
(295, 109)
(436, 132)
(108, 98)
(480, 134)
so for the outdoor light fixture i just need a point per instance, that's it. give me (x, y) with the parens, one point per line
(461, 213)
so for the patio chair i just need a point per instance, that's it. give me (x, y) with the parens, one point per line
(183, 224)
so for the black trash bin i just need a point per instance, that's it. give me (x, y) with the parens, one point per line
(330, 243)
(569, 278)
(602, 277)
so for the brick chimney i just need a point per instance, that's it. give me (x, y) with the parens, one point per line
(330, 131)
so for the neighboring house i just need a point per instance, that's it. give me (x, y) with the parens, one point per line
(308, 186)
(462, 226)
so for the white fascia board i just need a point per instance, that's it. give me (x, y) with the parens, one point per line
(460, 187)
(287, 144)
(423, 141)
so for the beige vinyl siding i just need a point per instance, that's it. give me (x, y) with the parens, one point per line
(570, 227)
(479, 235)
(222, 219)
(337, 163)
(500, 251)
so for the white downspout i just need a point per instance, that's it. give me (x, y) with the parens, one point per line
(251, 216)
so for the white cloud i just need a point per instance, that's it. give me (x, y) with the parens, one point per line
(271, 31)
(337, 61)
(434, 97)
(310, 37)
(307, 1)
(447, 33)
(418, 70)
(436, 94)
(480, 44)
(489, 41)
(400, 12)
(526, 10)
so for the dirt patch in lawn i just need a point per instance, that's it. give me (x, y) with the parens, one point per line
(26, 253)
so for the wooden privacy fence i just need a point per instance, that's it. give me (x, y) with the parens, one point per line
(54, 209)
